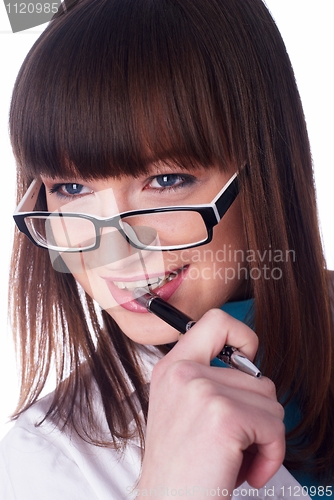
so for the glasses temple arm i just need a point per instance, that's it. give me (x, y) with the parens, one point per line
(28, 202)
(227, 196)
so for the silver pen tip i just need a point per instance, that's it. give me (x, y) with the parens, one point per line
(245, 365)
(142, 295)
(140, 292)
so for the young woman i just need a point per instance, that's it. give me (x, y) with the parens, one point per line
(130, 122)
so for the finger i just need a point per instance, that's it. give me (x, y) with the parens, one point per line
(267, 448)
(209, 335)
(264, 452)
(236, 380)
(240, 423)
(266, 463)
(252, 396)
(226, 377)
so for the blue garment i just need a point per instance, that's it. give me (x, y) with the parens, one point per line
(239, 310)
(243, 311)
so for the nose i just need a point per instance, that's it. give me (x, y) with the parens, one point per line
(113, 249)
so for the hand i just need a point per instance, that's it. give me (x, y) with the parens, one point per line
(209, 427)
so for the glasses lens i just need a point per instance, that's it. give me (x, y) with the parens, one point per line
(158, 230)
(165, 229)
(62, 233)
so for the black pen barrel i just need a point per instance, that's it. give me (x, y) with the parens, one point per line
(169, 314)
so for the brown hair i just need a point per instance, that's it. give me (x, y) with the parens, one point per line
(115, 84)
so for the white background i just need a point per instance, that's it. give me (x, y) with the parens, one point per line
(307, 29)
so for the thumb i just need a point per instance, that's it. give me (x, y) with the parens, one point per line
(209, 335)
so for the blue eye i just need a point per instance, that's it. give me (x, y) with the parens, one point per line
(171, 181)
(72, 188)
(69, 190)
(168, 180)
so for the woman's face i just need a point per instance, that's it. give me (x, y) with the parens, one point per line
(193, 280)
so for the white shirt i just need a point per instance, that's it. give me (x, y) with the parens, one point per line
(44, 463)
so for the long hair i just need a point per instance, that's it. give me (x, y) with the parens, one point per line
(114, 85)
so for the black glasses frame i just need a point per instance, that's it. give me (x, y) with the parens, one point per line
(211, 214)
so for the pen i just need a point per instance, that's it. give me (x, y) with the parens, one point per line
(181, 322)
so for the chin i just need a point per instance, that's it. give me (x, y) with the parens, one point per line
(144, 329)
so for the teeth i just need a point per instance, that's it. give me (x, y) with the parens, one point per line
(155, 285)
(119, 284)
(172, 276)
(152, 283)
(130, 285)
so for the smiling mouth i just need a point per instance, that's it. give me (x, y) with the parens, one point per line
(152, 283)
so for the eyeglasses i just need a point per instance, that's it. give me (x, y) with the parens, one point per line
(162, 228)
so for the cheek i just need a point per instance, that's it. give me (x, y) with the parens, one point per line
(228, 245)
(219, 268)
(96, 288)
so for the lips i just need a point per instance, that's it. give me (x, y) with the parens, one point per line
(163, 285)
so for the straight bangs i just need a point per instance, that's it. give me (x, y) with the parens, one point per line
(115, 85)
